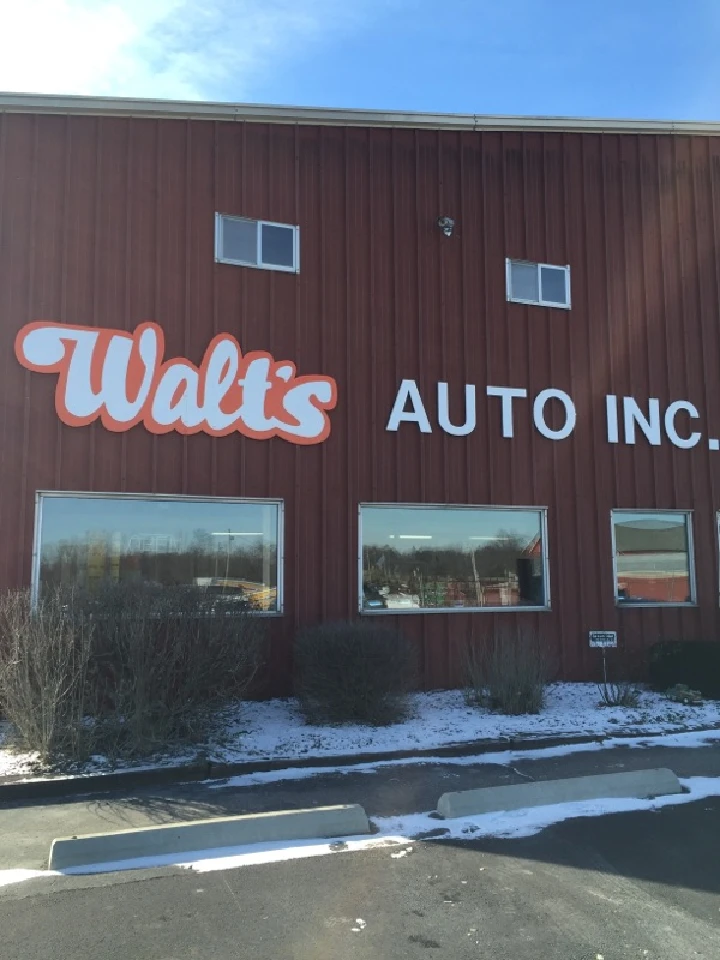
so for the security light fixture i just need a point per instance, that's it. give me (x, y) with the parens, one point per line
(447, 225)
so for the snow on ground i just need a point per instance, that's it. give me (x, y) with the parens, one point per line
(692, 739)
(275, 729)
(394, 833)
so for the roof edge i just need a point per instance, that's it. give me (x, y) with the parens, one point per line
(327, 116)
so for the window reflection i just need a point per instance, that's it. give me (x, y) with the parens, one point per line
(227, 548)
(417, 558)
(652, 557)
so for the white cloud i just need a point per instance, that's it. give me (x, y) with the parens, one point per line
(179, 49)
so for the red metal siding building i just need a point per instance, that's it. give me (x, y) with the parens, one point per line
(107, 220)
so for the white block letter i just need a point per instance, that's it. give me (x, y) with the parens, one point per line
(408, 391)
(444, 411)
(507, 394)
(612, 418)
(634, 415)
(670, 413)
(539, 414)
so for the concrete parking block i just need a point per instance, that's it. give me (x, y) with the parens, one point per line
(317, 823)
(636, 783)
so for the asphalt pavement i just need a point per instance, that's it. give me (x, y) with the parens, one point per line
(27, 828)
(639, 886)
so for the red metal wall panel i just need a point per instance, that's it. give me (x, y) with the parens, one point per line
(110, 222)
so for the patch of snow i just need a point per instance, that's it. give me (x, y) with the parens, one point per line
(692, 739)
(9, 877)
(275, 729)
(513, 824)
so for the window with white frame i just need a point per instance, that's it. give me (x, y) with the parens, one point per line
(418, 557)
(542, 284)
(225, 548)
(257, 243)
(653, 557)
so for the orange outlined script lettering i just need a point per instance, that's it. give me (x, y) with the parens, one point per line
(122, 379)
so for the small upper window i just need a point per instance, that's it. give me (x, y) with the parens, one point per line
(539, 283)
(257, 243)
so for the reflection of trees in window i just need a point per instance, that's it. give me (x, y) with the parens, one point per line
(502, 572)
(160, 559)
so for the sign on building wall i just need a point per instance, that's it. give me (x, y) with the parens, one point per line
(603, 638)
(123, 379)
(626, 419)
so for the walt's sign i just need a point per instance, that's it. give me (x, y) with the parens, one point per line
(123, 379)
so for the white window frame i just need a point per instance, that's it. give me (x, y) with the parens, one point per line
(473, 507)
(632, 604)
(42, 495)
(259, 224)
(540, 302)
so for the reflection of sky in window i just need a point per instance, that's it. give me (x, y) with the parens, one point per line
(444, 527)
(650, 521)
(76, 519)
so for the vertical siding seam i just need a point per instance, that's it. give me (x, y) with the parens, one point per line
(297, 489)
(642, 197)
(96, 270)
(127, 257)
(663, 235)
(442, 249)
(463, 303)
(607, 321)
(374, 425)
(622, 242)
(187, 248)
(486, 290)
(271, 287)
(420, 302)
(702, 312)
(27, 381)
(214, 292)
(349, 379)
(395, 318)
(63, 283)
(597, 519)
(242, 280)
(323, 352)
(716, 274)
(158, 262)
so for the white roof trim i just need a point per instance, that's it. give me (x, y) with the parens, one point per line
(261, 113)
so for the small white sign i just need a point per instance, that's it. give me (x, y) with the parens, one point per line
(603, 638)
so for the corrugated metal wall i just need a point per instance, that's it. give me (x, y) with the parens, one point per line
(109, 222)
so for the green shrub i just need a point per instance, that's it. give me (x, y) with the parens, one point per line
(353, 673)
(509, 675)
(695, 663)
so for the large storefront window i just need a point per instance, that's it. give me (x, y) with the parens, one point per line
(446, 558)
(653, 557)
(226, 547)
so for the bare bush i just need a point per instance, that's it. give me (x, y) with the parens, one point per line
(44, 658)
(350, 672)
(129, 670)
(510, 674)
(615, 693)
(164, 660)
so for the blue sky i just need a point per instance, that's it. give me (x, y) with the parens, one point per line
(618, 58)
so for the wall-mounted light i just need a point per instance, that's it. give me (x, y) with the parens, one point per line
(447, 225)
